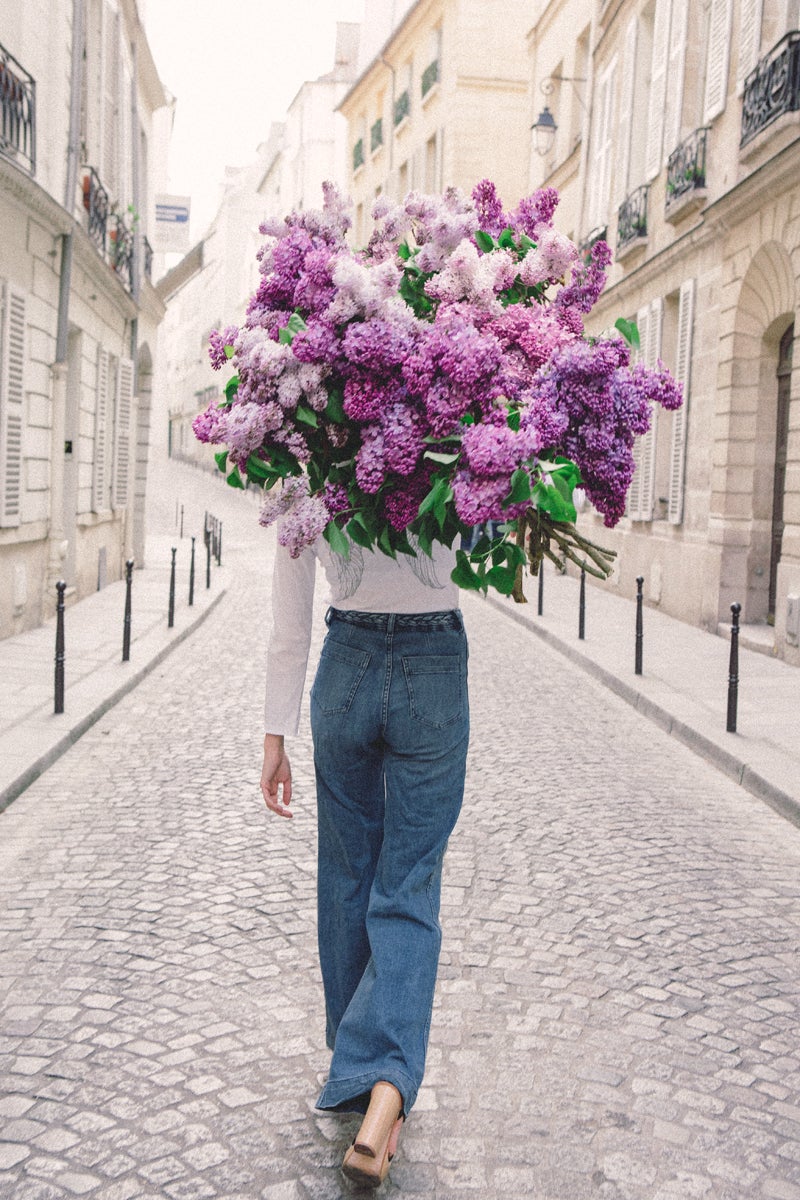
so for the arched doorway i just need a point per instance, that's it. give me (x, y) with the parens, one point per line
(784, 374)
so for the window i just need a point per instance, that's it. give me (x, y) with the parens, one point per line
(602, 145)
(12, 402)
(751, 12)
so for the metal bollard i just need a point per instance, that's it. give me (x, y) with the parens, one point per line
(540, 605)
(582, 608)
(219, 545)
(208, 558)
(126, 620)
(58, 706)
(191, 576)
(733, 669)
(639, 623)
(171, 612)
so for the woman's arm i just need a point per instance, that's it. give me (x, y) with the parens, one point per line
(276, 776)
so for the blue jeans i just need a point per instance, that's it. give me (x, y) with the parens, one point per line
(390, 721)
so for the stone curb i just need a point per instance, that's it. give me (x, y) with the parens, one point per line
(736, 768)
(18, 785)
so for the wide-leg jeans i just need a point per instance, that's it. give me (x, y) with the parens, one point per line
(390, 722)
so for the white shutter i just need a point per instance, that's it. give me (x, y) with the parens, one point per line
(683, 368)
(12, 403)
(123, 433)
(602, 146)
(719, 44)
(658, 90)
(100, 461)
(749, 39)
(626, 110)
(634, 504)
(641, 497)
(93, 85)
(677, 59)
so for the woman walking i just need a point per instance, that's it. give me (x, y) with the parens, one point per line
(390, 726)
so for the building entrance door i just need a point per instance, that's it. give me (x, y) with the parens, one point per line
(779, 484)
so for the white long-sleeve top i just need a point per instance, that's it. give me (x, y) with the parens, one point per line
(369, 581)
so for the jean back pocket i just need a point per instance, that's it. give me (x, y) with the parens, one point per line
(436, 687)
(340, 671)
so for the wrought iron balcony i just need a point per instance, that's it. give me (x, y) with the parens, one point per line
(430, 76)
(686, 169)
(600, 234)
(632, 218)
(96, 203)
(17, 113)
(147, 254)
(376, 135)
(402, 107)
(121, 251)
(358, 154)
(772, 88)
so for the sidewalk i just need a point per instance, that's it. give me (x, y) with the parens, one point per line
(684, 685)
(31, 735)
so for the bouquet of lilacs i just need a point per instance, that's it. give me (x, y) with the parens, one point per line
(437, 380)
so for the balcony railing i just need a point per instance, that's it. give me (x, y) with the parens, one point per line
(17, 113)
(772, 88)
(376, 135)
(358, 154)
(147, 252)
(632, 218)
(121, 251)
(402, 107)
(686, 168)
(96, 203)
(430, 76)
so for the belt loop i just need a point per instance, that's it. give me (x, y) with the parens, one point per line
(328, 617)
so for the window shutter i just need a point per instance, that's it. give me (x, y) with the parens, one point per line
(602, 145)
(683, 367)
(12, 403)
(123, 433)
(626, 110)
(658, 90)
(641, 497)
(719, 36)
(677, 59)
(100, 464)
(634, 504)
(111, 93)
(749, 39)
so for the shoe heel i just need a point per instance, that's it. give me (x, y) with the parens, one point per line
(384, 1108)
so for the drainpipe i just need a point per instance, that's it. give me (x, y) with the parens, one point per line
(136, 285)
(57, 548)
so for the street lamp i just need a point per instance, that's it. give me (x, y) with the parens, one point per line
(544, 127)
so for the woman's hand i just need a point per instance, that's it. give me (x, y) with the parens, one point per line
(276, 776)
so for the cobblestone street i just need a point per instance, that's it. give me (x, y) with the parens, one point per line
(619, 993)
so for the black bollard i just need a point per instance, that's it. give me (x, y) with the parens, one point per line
(208, 559)
(171, 612)
(191, 576)
(582, 608)
(733, 669)
(126, 620)
(639, 623)
(219, 545)
(61, 587)
(540, 605)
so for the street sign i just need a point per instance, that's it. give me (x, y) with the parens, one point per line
(172, 224)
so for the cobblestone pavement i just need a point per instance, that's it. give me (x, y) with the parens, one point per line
(617, 1012)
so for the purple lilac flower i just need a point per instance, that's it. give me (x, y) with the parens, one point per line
(492, 219)
(336, 499)
(497, 449)
(533, 214)
(583, 292)
(481, 499)
(371, 460)
(303, 524)
(279, 500)
(216, 345)
(403, 433)
(209, 426)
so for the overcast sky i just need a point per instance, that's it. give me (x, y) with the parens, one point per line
(234, 67)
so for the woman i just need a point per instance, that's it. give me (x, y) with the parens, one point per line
(390, 725)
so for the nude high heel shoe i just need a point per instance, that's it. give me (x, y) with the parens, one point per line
(367, 1160)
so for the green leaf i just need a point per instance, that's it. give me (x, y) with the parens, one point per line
(334, 410)
(467, 419)
(512, 420)
(403, 251)
(520, 488)
(385, 542)
(306, 415)
(258, 469)
(358, 533)
(228, 351)
(336, 539)
(231, 388)
(432, 499)
(630, 331)
(221, 458)
(235, 479)
(549, 499)
(485, 241)
(463, 574)
(506, 240)
(295, 324)
(526, 244)
(285, 336)
(442, 501)
(424, 535)
(502, 578)
(439, 457)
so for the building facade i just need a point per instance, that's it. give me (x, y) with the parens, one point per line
(442, 102)
(678, 140)
(79, 104)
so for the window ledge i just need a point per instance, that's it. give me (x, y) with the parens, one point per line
(627, 250)
(686, 204)
(433, 90)
(401, 125)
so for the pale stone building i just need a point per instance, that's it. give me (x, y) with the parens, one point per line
(79, 104)
(678, 138)
(211, 286)
(442, 102)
